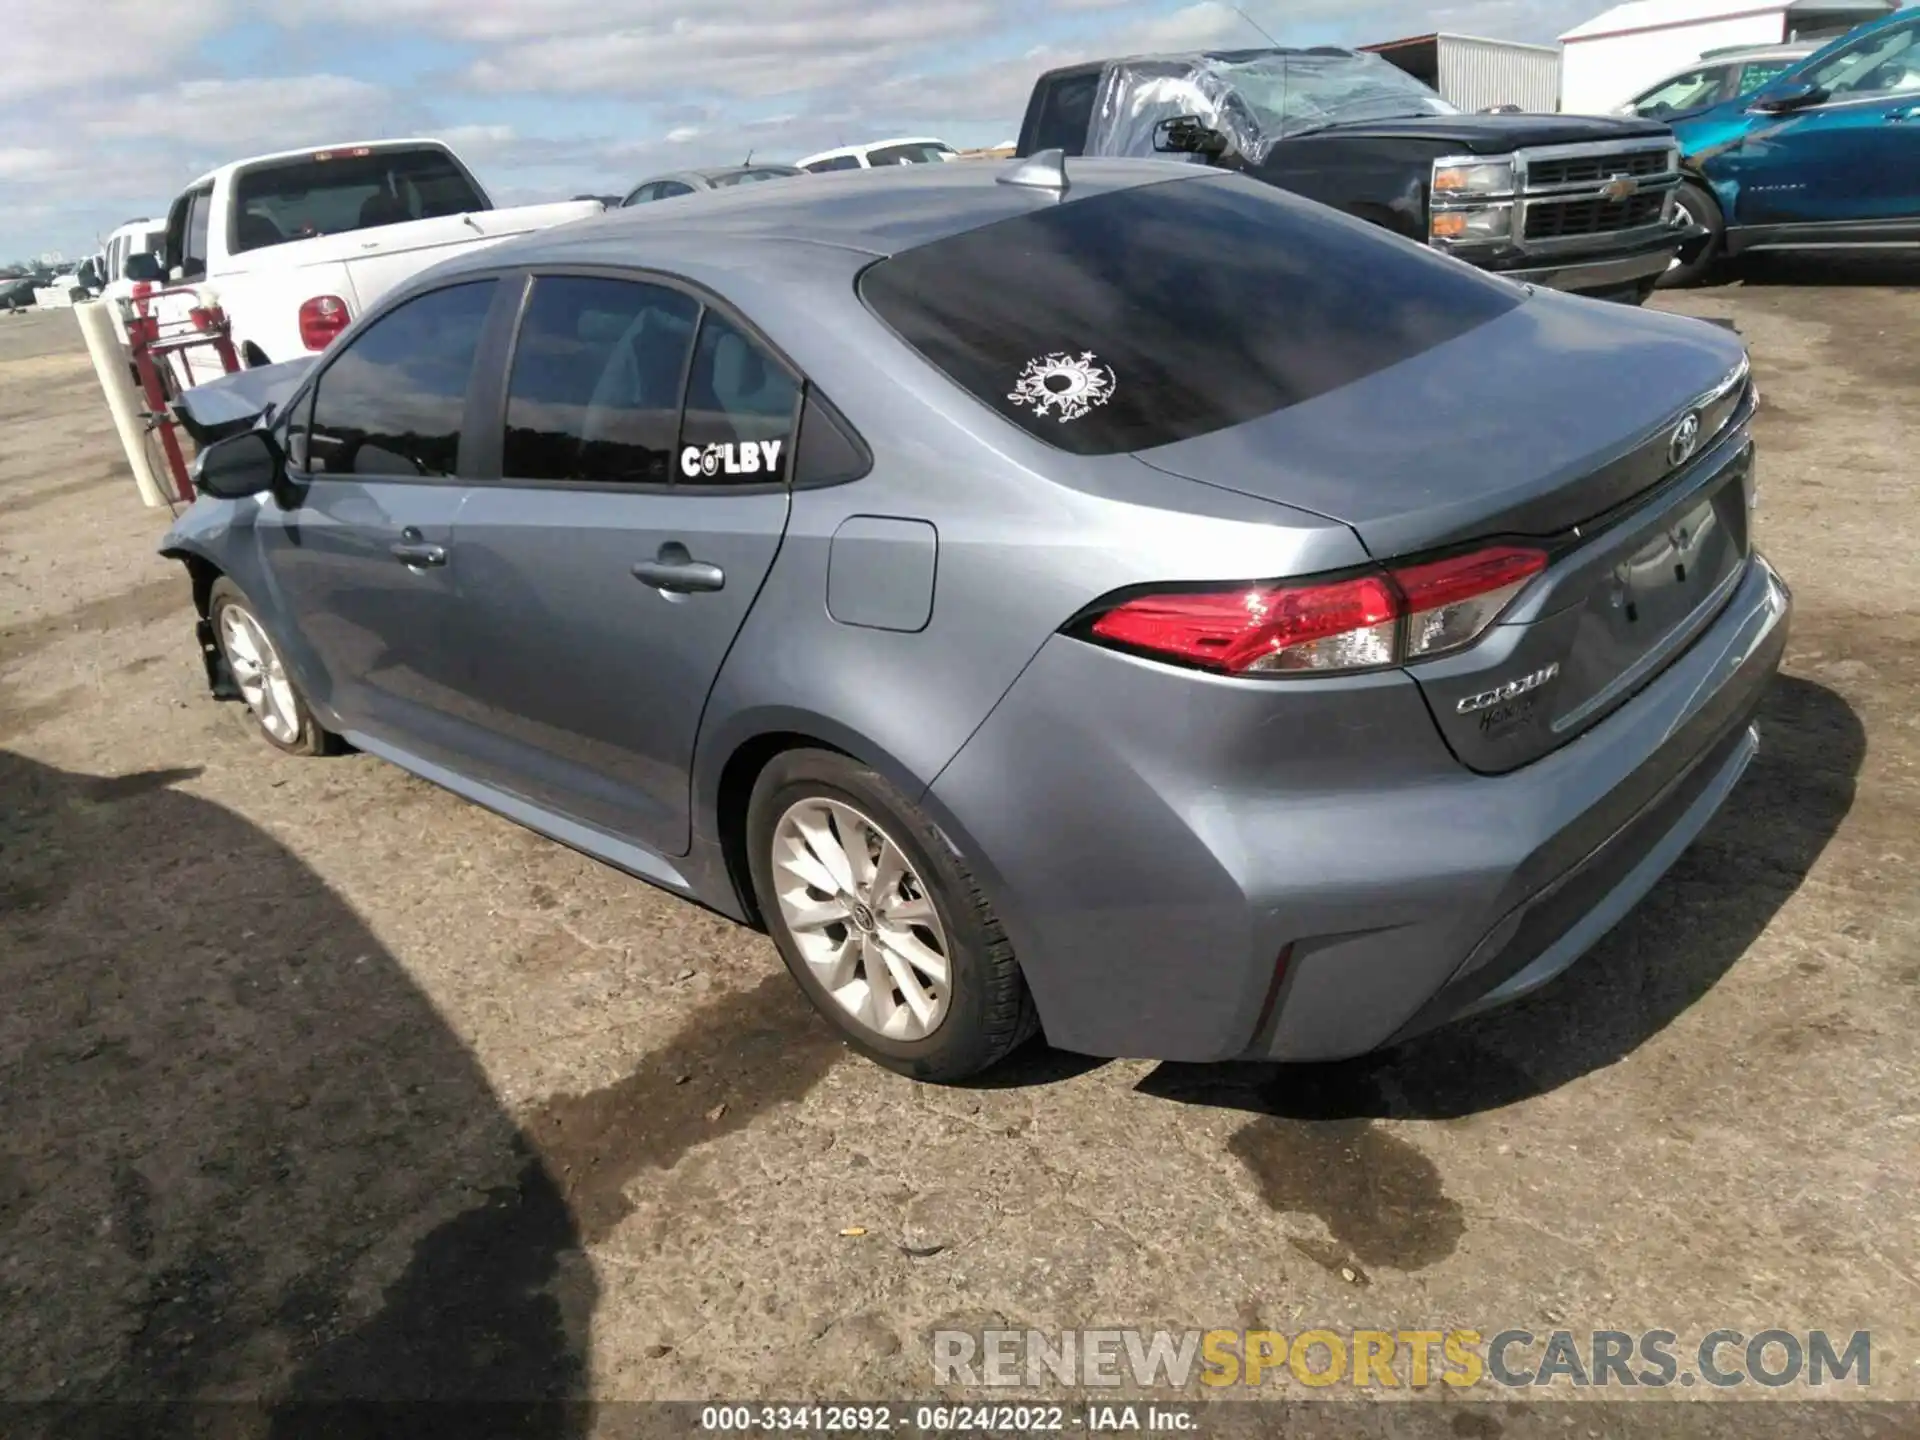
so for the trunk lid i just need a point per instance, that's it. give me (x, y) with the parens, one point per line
(1555, 423)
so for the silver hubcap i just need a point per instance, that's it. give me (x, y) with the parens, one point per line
(258, 672)
(861, 919)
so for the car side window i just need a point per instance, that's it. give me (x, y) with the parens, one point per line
(1685, 92)
(1066, 112)
(391, 402)
(670, 188)
(833, 162)
(193, 251)
(1761, 72)
(642, 195)
(739, 422)
(596, 383)
(1886, 62)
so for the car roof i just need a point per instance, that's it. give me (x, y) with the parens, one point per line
(1792, 51)
(718, 171)
(868, 146)
(879, 212)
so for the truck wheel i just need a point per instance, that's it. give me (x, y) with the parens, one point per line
(1694, 204)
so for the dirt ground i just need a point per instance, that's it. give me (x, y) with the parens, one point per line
(318, 1081)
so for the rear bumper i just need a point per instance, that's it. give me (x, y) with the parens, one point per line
(1156, 841)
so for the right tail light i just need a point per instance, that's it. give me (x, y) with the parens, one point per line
(1362, 622)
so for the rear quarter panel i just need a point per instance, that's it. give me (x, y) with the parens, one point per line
(1026, 537)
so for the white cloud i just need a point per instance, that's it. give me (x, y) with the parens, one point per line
(53, 47)
(25, 163)
(107, 110)
(743, 55)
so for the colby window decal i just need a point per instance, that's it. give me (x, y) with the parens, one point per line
(750, 457)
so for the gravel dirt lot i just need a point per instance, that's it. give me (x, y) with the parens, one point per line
(321, 1082)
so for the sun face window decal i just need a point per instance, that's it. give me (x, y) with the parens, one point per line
(1070, 385)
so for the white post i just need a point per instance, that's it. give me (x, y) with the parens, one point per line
(113, 364)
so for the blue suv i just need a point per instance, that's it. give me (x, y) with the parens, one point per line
(1826, 155)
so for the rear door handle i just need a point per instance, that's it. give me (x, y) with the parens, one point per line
(420, 556)
(674, 572)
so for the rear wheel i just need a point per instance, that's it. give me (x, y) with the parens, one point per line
(879, 921)
(1693, 205)
(253, 660)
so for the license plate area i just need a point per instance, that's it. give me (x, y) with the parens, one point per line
(1644, 606)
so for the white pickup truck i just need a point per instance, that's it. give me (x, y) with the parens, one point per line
(293, 246)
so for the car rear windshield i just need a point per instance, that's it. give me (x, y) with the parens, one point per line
(332, 191)
(1144, 316)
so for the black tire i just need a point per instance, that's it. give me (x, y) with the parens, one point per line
(1700, 207)
(989, 1011)
(306, 735)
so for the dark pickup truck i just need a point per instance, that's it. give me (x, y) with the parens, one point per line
(1574, 202)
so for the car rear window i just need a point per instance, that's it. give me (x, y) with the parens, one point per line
(334, 191)
(1145, 316)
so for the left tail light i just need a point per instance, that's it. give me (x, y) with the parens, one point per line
(321, 319)
(1360, 622)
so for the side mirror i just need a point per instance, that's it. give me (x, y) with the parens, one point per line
(240, 465)
(143, 266)
(1189, 135)
(1784, 99)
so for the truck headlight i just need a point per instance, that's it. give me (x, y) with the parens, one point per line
(1485, 177)
(1494, 222)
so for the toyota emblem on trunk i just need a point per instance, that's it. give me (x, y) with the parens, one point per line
(1686, 440)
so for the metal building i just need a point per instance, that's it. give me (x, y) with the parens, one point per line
(1478, 74)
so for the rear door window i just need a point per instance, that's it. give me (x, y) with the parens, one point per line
(597, 377)
(740, 410)
(1145, 316)
(391, 403)
(834, 162)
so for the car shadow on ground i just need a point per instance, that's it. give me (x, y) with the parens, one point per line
(244, 1156)
(1669, 951)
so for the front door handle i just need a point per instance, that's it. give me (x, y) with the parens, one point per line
(674, 572)
(420, 556)
(1900, 117)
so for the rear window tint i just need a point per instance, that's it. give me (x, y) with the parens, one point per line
(1145, 316)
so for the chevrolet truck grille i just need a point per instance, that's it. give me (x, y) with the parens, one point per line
(1574, 196)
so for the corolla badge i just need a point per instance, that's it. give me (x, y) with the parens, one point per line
(1685, 440)
(1070, 384)
(1512, 690)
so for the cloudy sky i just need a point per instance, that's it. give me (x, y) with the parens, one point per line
(107, 109)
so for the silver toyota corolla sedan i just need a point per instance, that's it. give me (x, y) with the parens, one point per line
(1113, 598)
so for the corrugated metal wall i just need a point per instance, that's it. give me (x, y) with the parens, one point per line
(1477, 74)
